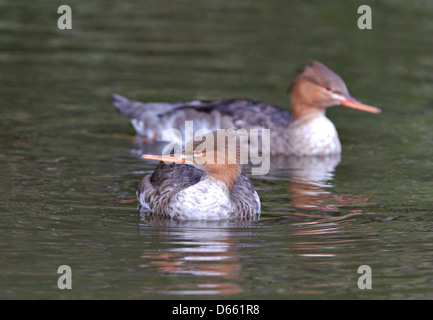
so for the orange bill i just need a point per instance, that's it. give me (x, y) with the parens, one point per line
(355, 104)
(168, 159)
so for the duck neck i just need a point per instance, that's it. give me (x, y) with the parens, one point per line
(303, 101)
(227, 174)
(300, 109)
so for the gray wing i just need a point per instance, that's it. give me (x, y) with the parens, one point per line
(245, 199)
(150, 119)
(156, 190)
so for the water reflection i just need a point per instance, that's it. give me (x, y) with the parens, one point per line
(310, 191)
(204, 251)
(325, 232)
(309, 179)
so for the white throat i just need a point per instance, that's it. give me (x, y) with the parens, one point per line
(313, 134)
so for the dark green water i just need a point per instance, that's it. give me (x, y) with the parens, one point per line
(68, 161)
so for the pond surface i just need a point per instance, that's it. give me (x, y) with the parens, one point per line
(69, 163)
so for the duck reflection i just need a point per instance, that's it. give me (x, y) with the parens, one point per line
(310, 181)
(204, 251)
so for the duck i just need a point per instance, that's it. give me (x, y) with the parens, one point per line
(304, 132)
(200, 184)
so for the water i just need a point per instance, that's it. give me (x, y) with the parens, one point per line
(69, 164)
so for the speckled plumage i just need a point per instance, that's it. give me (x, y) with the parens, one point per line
(183, 192)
